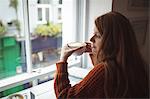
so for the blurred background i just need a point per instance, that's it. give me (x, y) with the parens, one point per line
(32, 33)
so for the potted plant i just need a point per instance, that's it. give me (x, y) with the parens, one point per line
(14, 4)
(48, 36)
(48, 30)
(15, 22)
(2, 29)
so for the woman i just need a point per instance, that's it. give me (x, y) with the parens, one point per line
(119, 70)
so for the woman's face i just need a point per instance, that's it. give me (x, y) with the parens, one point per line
(96, 40)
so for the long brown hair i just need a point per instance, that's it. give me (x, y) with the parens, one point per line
(125, 75)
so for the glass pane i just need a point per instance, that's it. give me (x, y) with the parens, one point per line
(46, 46)
(47, 37)
(47, 34)
(12, 44)
(56, 2)
(47, 14)
(60, 1)
(44, 1)
(59, 14)
(39, 14)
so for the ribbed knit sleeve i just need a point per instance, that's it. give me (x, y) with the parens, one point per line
(92, 86)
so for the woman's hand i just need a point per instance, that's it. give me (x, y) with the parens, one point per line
(67, 51)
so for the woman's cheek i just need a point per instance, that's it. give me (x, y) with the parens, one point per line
(94, 50)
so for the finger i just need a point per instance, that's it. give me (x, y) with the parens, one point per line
(88, 50)
(88, 47)
(88, 43)
(77, 48)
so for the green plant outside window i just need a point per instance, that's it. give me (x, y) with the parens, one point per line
(48, 29)
(2, 28)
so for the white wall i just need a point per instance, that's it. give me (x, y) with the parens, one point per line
(69, 20)
(95, 8)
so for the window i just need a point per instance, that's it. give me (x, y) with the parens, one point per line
(12, 48)
(24, 49)
(44, 1)
(44, 13)
(33, 19)
(46, 32)
(39, 14)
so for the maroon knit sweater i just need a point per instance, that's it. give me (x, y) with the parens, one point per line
(92, 86)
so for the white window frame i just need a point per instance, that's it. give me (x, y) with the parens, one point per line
(31, 76)
(56, 14)
(44, 7)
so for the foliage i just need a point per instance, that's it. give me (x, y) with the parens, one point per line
(2, 28)
(17, 24)
(14, 4)
(48, 29)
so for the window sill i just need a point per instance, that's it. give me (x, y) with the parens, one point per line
(29, 77)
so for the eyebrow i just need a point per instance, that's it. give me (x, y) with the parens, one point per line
(98, 34)
(95, 32)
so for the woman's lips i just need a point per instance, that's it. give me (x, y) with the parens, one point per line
(93, 47)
